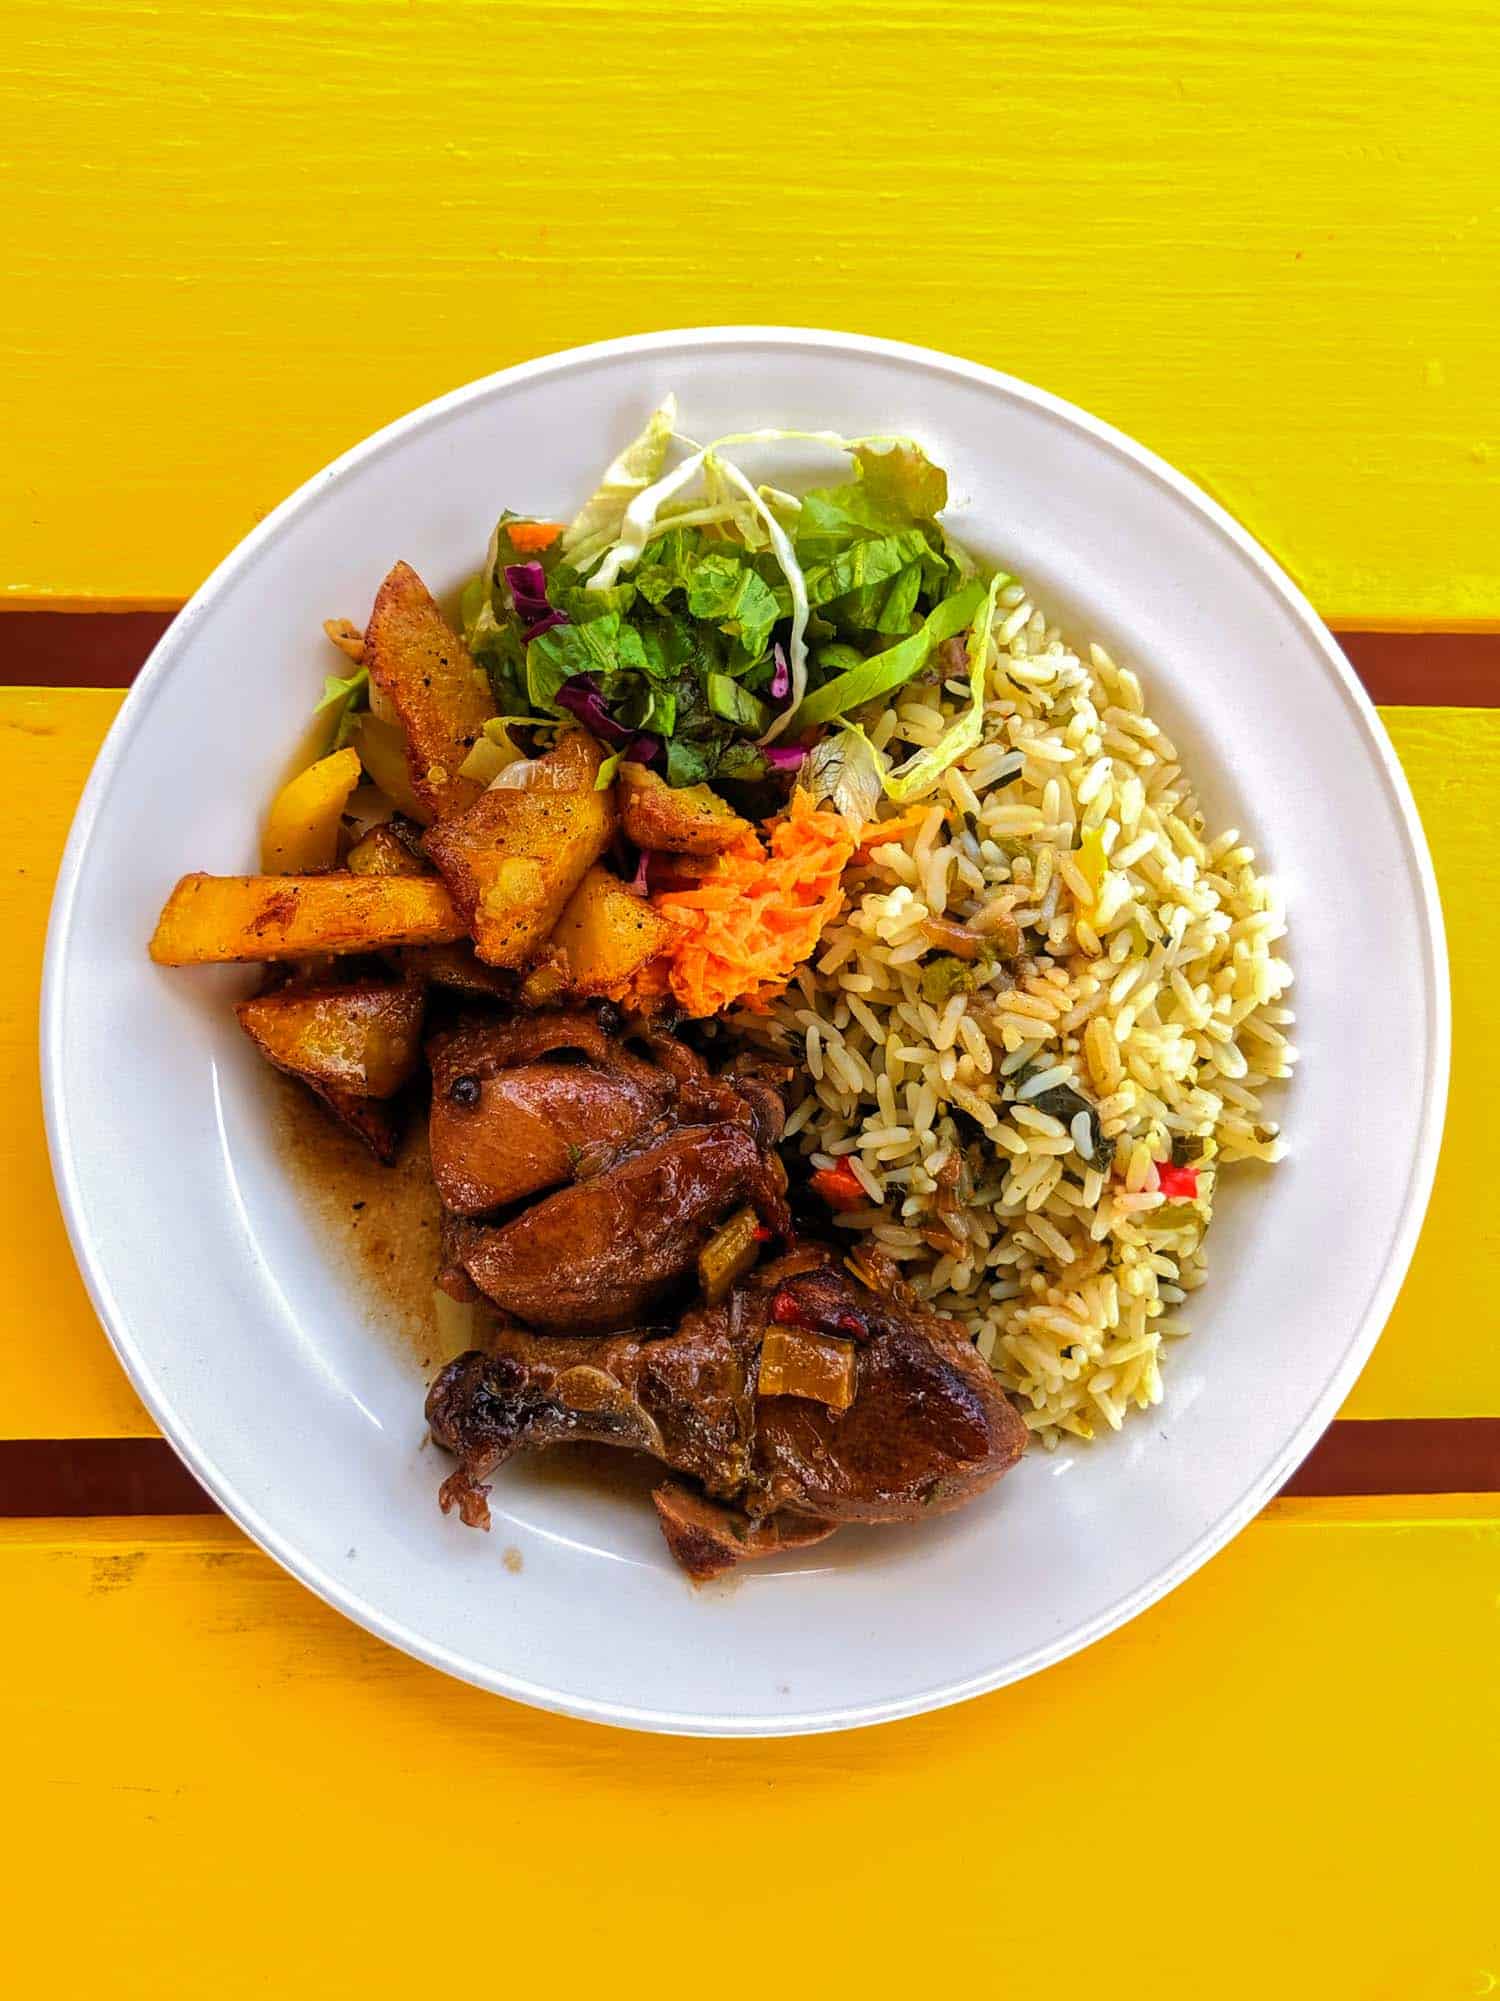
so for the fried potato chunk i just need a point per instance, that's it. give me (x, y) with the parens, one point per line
(365, 1038)
(516, 857)
(685, 820)
(429, 681)
(217, 919)
(606, 934)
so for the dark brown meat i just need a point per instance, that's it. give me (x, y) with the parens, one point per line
(505, 1126)
(459, 968)
(763, 1086)
(377, 1121)
(450, 1276)
(487, 1045)
(607, 1251)
(684, 1398)
(749, 1092)
(928, 1429)
(707, 1538)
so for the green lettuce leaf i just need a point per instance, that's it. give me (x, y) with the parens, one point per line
(734, 704)
(896, 473)
(719, 583)
(343, 700)
(886, 607)
(339, 692)
(860, 564)
(567, 592)
(730, 591)
(920, 773)
(556, 656)
(691, 761)
(894, 489)
(900, 602)
(882, 673)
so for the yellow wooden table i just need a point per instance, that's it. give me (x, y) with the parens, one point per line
(1262, 238)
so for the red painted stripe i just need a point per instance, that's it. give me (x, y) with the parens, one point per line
(1459, 670)
(97, 1476)
(1403, 1455)
(72, 1477)
(105, 649)
(76, 649)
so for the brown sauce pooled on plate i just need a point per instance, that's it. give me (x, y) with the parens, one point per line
(381, 1221)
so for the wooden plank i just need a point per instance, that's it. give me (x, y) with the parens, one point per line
(106, 649)
(1438, 1357)
(1260, 237)
(1434, 1360)
(1281, 1780)
(55, 1358)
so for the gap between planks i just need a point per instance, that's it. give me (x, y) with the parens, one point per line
(106, 649)
(85, 1477)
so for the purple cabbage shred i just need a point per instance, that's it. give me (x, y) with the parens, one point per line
(581, 697)
(527, 584)
(781, 673)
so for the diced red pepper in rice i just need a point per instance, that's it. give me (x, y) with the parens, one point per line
(1178, 1184)
(840, 1186)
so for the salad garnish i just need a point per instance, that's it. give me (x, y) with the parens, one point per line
(718, 630)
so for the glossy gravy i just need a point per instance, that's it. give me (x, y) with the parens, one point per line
(383, 1222)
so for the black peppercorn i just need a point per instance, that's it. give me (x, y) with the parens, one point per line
(464, 1090)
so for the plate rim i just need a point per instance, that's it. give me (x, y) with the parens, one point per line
(334, 1590)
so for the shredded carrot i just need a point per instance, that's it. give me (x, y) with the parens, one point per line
(529, 538)
(754, 916)
(875, 833)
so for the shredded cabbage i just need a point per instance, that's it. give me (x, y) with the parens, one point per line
(847, 771)
(638, 519)
(796, 583)
(597, 523)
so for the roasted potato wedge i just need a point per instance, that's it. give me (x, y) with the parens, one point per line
(457, 968)
(571, 765)
(212, 919)
(383, 852)
(687, 820)
(513, 860)
(301, 833)
(606, 934)
(429, 681)
(364, 1038)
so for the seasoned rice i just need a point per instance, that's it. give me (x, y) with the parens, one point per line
(1150, 988)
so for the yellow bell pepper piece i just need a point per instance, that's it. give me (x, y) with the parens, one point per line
(382, 751)
(1092, 861)
(302, 828)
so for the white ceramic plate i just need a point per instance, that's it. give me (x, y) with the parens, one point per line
(241, 1327)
